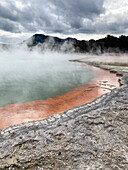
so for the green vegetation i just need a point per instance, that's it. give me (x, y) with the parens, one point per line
(108, 44)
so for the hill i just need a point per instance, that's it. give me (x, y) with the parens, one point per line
(107, 44)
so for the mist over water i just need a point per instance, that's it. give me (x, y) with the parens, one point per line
(28, 76)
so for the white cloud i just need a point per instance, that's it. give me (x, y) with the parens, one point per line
(114, 20)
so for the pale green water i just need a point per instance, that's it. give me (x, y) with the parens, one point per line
(28, 77)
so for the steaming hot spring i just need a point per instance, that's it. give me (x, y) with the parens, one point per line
(36, 85)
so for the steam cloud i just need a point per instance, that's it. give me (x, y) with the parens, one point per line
(33, 75)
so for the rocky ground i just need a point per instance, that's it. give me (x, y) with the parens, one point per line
(89, 137)
(115, 64)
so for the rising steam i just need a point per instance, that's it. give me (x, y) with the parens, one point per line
(34, 75)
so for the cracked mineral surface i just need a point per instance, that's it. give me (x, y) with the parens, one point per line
(91, 136)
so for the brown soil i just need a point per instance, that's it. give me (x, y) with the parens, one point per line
(37, 110)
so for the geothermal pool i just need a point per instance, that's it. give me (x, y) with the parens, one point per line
(29, 76)
(36, 85)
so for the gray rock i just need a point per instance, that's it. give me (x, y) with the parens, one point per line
(92, 137)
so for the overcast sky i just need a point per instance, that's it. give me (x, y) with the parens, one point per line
(83, 19)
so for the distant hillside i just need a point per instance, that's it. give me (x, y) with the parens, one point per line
(110, 44)
(51, 43)
(107, 44)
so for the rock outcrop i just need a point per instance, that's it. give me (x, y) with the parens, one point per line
(92, 136)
